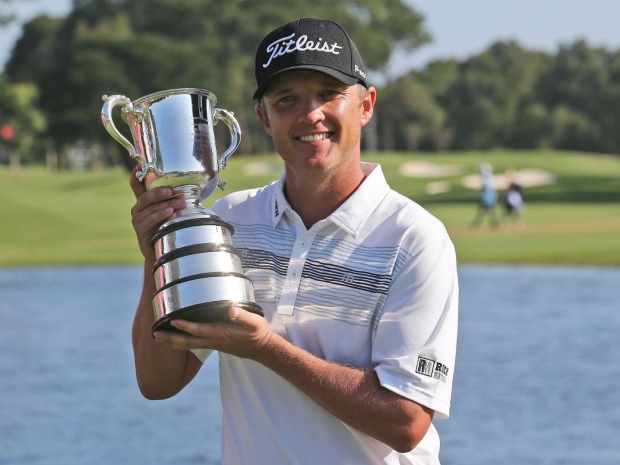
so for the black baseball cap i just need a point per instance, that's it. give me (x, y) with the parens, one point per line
(307, 43)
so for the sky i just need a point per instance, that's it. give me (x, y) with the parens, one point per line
(460, 28)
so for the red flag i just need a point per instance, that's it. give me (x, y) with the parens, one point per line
(6, 132)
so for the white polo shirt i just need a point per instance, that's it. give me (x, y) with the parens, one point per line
(374, 286)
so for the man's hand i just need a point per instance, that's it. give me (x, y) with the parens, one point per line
(353, 395)
(246, 335)
(152, 208)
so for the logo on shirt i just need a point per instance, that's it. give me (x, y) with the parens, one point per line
(348, 278)
(431, 368)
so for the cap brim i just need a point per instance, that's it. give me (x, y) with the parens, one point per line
(344, 78)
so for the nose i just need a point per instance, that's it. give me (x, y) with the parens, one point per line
(311, 110)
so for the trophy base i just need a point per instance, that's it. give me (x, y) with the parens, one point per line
(208, 312)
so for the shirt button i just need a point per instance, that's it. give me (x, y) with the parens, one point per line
(302, 243)
(294, 274)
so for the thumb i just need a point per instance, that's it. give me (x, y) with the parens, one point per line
(233, 313)
(136, 185)
(244, 318)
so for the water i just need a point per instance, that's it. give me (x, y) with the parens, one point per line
(536, 378)
(68, 394)
(537, 371)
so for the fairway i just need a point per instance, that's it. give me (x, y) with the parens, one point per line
(70, 218)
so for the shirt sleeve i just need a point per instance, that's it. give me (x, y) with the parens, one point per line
(414, 347)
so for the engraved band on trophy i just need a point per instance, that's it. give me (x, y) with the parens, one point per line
(198, 272)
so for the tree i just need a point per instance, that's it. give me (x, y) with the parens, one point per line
(34, 49)
(583, 89)
(135, 47)
(439, 75)
(4, 17)
(573, 130)
(533, 127)
(409, 117)
(483, 102)
(19, 112)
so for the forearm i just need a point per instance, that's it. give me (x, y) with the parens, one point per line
(161, 371)
(352, 395)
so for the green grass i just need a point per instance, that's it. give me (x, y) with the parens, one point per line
(84, 217)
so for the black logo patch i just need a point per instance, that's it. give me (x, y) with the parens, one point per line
(432, 369)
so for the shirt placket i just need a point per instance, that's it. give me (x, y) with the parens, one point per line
(299, 254)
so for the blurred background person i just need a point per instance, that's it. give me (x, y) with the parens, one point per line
(488, 198)
(513, 200)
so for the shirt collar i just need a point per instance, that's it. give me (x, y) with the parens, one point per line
(352, 215)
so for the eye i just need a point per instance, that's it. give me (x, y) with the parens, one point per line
(331, 92)
(286, 99)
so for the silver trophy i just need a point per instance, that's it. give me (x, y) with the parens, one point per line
(198, 272)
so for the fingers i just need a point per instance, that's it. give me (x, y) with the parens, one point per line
(152, 208)
(136, 185)
(146, 198)
(200, 330)
(194, 335)
(243, 336)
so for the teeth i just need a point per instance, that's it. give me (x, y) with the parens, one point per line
(314, 137)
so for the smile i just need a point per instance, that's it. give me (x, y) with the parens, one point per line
(315, 137)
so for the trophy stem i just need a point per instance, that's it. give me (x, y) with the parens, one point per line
(193, 208)
(192, 195)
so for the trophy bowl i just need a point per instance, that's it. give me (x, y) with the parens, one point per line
(198, 272)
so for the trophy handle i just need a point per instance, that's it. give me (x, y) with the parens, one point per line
(106, 117)
(235, 133)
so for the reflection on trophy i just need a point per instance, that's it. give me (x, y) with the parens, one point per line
(198, 272)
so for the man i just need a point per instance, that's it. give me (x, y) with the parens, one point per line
(488, 197)
(358, 284)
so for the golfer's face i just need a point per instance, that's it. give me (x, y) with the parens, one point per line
(315, 121)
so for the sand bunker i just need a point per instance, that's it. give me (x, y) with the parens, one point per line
(438, 187)
(260, 168)
(425, 169)
(527, 178)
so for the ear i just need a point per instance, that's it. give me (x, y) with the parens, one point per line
(262, 115)
(368, 105)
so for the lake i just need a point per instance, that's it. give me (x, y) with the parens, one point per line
(536, 381)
